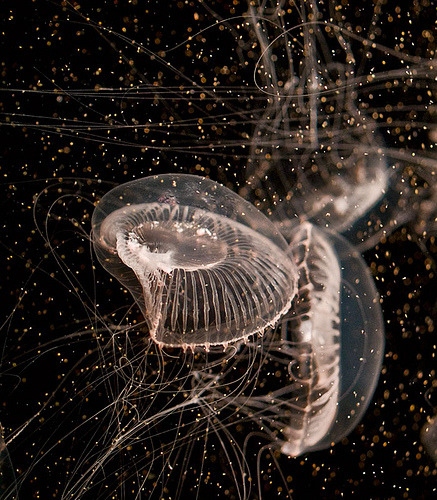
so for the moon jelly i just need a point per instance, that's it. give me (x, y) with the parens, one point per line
(207, 269)
(334, 333)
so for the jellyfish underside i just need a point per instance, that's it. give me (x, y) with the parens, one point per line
(205, 279)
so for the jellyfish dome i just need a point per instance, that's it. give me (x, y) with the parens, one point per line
(335, 334)
(428, 436)
(205, 267)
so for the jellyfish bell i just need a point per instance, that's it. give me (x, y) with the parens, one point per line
(362, 339)
(313, 149)
(205, 267)
(346, 199)
(318, 150)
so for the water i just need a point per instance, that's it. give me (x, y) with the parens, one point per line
(77, 366)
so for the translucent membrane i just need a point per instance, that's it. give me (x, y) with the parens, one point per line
(334, 336)
(315, 374)
(205, 267)
(312, 337)
(315, 152)
(429, 438)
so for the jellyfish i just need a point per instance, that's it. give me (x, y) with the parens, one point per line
(319, 116)
(326, 166)
(316, 151)
(210, 271)
(202, 264)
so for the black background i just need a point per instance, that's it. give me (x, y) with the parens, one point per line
(63, 145)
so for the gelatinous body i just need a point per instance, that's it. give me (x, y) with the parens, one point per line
(317, 151)
(205, 267)
(321, 364)
(327, 166)
(326, 126)
(208, 269)
(429, 438)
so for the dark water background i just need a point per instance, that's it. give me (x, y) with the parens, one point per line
(69, 148)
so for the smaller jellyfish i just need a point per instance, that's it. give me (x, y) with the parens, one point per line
(335, 335)
(318, 150)
(314, 151)
(208, 269)
(428, 436)
(320, 366)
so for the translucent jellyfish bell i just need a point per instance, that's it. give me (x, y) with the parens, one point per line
(428, 436)
(315, 152)
(338, 332)
(205, 267)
